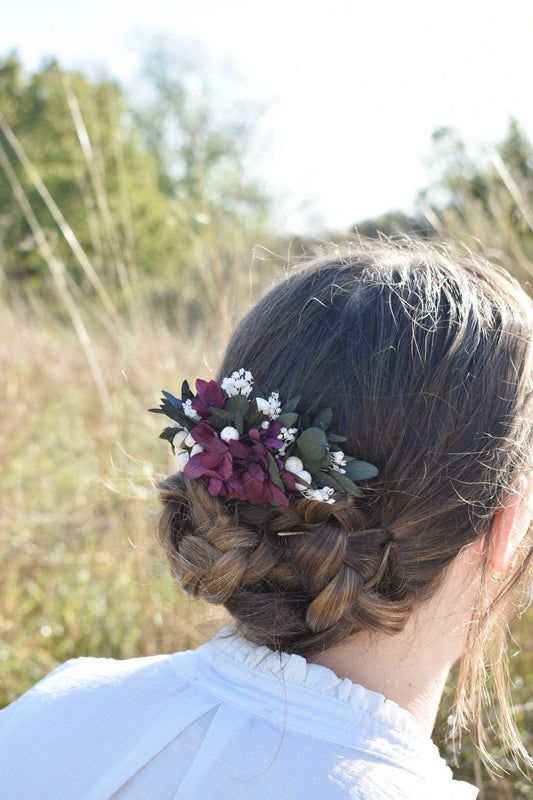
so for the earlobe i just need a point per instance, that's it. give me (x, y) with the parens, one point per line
(507, 530)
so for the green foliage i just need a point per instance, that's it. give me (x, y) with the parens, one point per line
(484, 194)
(172, 217)
(73, 134)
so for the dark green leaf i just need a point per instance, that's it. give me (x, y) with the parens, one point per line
(312, 443)
(326, 479)
(291, 404)
(186, 393)
(347, 486)
(260, 390)
(312, 465)
(323, 419)
(360, 470)
(288, 420)
(335, 438)
(220, 418)
(254, 417)
(273, 471)
(168, 434)
(239, 422)
(237, 403)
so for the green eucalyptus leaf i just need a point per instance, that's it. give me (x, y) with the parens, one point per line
(360, 470)
(220, 418)
(323, 478)
(237, 403)
(305, 421)
(347, 486)
(255, 416)
(182, 419)
(311, 465)
(323, 419)
(273, 471)
(312, 443)
(288, 419)
(239, 422)
(335, 438)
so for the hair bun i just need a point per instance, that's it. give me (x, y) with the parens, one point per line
(298, 579)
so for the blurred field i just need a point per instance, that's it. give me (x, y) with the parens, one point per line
(81, 572)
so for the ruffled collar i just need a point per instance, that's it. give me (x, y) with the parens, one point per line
(299, 672)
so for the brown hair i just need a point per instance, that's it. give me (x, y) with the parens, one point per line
(426, 363)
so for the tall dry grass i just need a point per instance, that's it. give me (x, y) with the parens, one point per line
(80, 569)
(81, 572)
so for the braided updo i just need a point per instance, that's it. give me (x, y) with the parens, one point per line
(426, 364)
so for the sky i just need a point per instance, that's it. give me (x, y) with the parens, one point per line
(351, 90)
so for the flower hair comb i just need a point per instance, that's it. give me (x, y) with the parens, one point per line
(241, 441)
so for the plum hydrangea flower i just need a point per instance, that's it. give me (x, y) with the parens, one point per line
(242, 441)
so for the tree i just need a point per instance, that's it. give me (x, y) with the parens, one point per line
(155, 195)
(485, 193)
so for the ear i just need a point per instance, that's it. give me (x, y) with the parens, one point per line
(508, 528)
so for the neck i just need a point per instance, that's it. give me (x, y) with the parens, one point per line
(411, 667)
(393, 667)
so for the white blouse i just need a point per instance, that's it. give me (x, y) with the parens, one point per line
(228, 721)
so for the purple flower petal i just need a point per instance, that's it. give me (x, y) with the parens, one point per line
(210, 393)
(215, 486)
(272, 444)
(208, 438)
(226, 467)
(209, 460)
(255, 471)
(239, 449)
(194, 467)
(256, 491)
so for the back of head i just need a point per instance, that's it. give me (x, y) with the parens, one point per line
(425, 361)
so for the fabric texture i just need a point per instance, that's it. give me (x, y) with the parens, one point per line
(228, 721)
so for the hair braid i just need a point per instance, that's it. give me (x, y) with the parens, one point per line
(318, 585)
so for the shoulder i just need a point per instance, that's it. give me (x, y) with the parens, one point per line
(79, 720)
(81, 678)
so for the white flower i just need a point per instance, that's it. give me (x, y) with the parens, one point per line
(189, 411)
(239, 382)
(265, 425)
(337, 460)
(271, 407)
(262, 405)
(274, 407)
(287, 436)
(228, 434)
(294, 464)
(189, 440)
(322, 495)
(305, 476)
(197, 449)
(181, 460)
(173, 424)
(179, 438)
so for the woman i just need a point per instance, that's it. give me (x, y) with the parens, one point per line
(354, 489)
